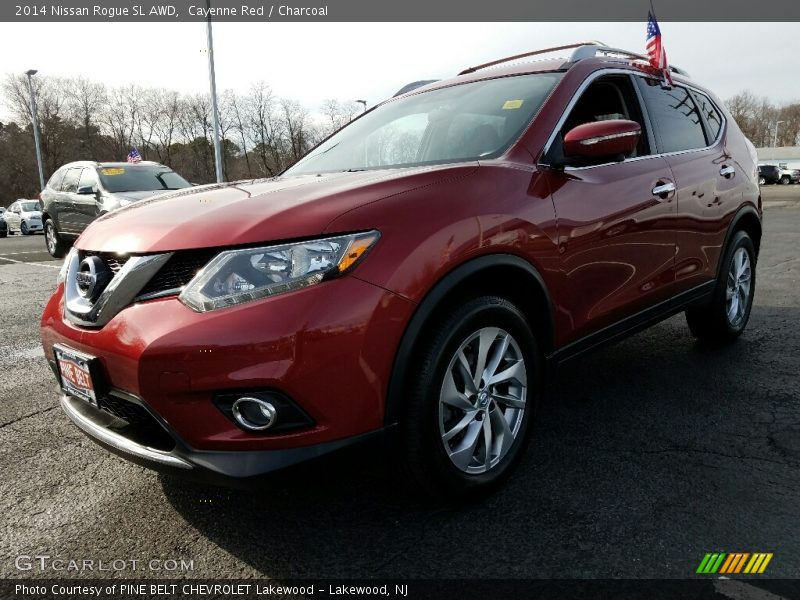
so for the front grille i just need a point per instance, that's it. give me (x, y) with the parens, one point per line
(123, 409)
(179, 270)
(114, 261)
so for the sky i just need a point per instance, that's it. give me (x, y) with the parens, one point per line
(311, 62)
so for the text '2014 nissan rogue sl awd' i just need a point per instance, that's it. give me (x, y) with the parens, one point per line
(417, 272)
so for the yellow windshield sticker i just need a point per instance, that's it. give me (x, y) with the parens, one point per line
(511, 104)
(114, 171)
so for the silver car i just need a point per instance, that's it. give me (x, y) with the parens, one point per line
(24, 216)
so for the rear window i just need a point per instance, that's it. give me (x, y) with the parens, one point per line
(675, 117)
(140, 178)
(55, 180)
(70, 183)
(712, 116)
(470, 121)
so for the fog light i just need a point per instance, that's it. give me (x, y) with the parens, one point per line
(254, 414)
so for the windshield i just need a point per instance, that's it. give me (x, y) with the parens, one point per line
(142, 178)
(458, 123)
(29, 206)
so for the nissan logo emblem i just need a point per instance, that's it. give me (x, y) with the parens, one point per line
(92, 277)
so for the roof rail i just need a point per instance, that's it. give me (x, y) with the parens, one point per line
(593, 49)
(527, 54)
(581, 51)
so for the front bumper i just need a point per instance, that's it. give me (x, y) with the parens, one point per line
(329, 348)
(217, 467)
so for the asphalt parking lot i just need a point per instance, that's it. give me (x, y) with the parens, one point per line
(646, 456)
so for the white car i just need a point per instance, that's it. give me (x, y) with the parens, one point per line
(24, 216)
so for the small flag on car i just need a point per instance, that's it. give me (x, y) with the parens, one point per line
(655, 48)
(134, 156)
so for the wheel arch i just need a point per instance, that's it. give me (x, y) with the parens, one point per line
(748, 220)
(500, 274)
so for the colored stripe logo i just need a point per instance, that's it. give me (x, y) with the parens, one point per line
(733, 563)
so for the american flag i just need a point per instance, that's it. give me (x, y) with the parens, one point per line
(134, 156)
(655, 49)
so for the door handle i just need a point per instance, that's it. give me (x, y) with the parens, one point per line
(663, 189)
(727, 171)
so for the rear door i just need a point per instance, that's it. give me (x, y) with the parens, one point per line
(690, 133)
(67, 198)
(616, 237)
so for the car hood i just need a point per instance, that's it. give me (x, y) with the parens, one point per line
(134, 196)
(249, 212)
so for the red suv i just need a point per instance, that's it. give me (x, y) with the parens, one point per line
(420, 271)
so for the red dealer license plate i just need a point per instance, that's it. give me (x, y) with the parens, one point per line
(75, 372)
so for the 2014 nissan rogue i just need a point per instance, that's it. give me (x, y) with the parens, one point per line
(419, 271)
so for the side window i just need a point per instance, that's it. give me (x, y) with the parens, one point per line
(675, 117)
(712, 116)
(606, 98)
(56, 179)
(13, 208)
(70, 183)
(88, 178)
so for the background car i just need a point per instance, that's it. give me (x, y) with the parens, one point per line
(24, 216)
(768, 174)
(79, 192)
(3, 226)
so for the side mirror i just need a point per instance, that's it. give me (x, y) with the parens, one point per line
(602, 139)
(86, 190)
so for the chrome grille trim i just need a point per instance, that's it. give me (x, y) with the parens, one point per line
(120, 292)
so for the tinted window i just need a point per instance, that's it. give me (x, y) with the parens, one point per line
(88, 178)
(461, 122)
(70, 183)
(56, 179)
(711, 114)
(140, 178)
(675, 117)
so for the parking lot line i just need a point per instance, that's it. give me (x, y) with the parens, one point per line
(35, 264)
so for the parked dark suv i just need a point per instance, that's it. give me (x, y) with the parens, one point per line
(419, 272)
(79, 192)
(769, 174)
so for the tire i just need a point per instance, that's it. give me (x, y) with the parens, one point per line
(724, 319)
(454, 467)
(786, 180)
(3, 234)
(23, 228)
(56, 246)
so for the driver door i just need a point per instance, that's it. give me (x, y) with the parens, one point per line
(616, 238)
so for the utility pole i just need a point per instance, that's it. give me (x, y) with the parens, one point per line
(775, 138)
(35, 120)
(213, 84)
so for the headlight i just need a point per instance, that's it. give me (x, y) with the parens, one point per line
(62, 274)
(237, 276)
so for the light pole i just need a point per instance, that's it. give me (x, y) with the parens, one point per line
(213, 84)
(30, 73)
(775, 139)
(364, 102)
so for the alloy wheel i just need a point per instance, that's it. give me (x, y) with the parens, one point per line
(483, 400)
(737, 293)
(50, 235)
